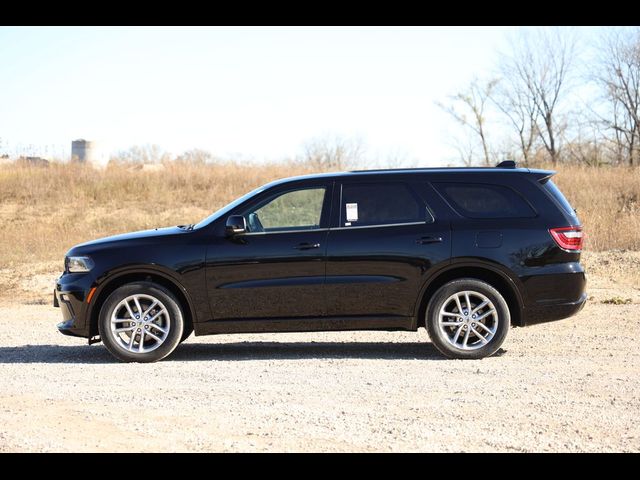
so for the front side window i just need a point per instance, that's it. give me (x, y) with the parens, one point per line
(290, 211)
(370, 204)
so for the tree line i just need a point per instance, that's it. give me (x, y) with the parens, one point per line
(548, 101)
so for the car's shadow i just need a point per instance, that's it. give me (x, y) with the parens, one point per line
(236, 351)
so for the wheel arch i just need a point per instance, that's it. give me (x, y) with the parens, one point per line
(145, 274)
(489, 273)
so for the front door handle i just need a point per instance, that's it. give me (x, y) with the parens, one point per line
(426, 240)
(307, 246)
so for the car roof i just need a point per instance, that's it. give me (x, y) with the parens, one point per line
(412, 171)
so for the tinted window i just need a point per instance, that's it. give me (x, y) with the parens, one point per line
(475, 200)
(379, 204)
(555, 192)
(294, 210)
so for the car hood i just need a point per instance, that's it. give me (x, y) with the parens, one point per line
(125, 237)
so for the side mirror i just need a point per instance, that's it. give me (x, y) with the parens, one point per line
(236, 224)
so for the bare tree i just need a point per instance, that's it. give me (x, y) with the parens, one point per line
(333, 152)
(196, 156)
(586, 145)
(469, 109)
(512, 98)
(142, 154)
(4, 150)
(465, 145)
(537, 70)
(619, 76)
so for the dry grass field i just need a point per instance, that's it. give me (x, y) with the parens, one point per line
(49, 209)
(46, 210)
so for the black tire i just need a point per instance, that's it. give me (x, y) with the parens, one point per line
(174, 324)
(441, 336)
(188, 330)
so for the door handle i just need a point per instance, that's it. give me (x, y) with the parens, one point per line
(426, 240)
(307, 246)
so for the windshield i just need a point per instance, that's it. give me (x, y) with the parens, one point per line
(227, 208)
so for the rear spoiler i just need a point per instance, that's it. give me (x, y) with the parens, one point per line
(541, 175)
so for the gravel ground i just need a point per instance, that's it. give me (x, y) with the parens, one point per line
(572, 385)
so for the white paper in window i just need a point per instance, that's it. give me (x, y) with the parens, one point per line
(352, 212)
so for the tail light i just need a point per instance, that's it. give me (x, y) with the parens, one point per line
(568, 238)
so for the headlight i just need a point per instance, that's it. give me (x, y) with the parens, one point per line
(78, 264)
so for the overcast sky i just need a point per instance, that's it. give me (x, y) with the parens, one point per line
(258, 93)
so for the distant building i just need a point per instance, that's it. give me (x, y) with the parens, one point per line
(35, 161)
(85, 151)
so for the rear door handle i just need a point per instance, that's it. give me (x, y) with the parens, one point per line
(426, 240)
(307, 246)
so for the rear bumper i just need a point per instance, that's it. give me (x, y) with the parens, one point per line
(553, 292)
(549, 313)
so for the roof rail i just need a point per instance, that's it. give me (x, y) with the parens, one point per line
(506, 164)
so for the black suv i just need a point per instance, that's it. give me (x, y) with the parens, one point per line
(464, 252)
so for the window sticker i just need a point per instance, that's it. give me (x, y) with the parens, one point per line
(352, 212)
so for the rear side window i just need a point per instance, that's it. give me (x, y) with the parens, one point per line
(379, 204)
(555, 192)
(480, 200)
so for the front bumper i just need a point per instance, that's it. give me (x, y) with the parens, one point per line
(70, 295)
(67, 328)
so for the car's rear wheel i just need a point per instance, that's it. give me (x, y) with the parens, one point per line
(467, 319)
(141, 322)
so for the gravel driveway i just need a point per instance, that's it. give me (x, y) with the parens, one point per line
(572, 385)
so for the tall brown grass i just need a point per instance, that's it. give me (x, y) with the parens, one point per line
(608, 203)
(46, 210)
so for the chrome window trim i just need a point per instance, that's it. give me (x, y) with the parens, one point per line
(380, 226)
(287, 231)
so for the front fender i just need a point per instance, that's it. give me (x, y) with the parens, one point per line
(105, 282)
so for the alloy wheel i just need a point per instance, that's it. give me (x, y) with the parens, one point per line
(468, 320)
(140, 323)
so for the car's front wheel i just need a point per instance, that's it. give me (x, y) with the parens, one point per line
(467, 318)
(141, 322)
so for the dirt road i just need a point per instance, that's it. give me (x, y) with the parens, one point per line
(572, 385)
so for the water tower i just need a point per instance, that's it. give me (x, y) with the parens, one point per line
(85, 151)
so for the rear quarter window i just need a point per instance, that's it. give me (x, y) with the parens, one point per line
(553, 190)
(480, 200)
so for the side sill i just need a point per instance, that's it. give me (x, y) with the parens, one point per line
(306, 324)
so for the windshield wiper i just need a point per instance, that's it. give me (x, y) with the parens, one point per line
(187, 227)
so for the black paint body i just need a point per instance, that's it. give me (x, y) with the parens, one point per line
(378, 277)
